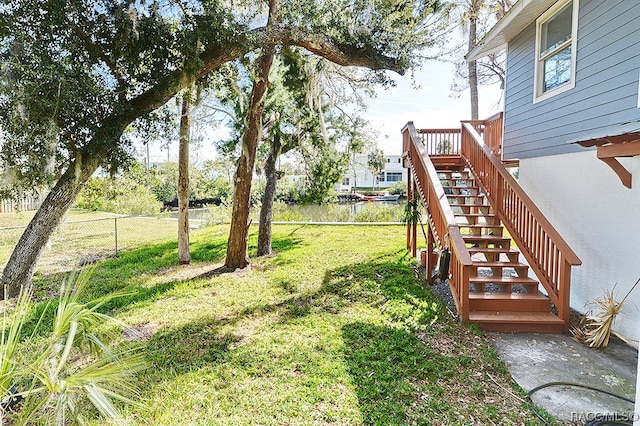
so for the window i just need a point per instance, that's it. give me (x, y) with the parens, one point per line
(380, 177)
(556, 34)
(345, 181)
(394, 177)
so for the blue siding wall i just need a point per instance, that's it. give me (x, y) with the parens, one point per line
(604, 100)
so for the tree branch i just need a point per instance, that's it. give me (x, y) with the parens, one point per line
(91, 46)
(215, 56)
(344, 54)
(222, 110)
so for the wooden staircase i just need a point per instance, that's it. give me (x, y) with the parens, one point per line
(509, 268)
(502, 296)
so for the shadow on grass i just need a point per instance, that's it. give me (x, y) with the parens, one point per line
(385, 363)
(388, 285)
(116, 275)
(199, 344)
(187, 348)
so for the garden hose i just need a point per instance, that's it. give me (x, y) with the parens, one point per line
(598, 420)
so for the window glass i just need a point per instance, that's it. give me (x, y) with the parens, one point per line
(556, 31)
(557, 69)
(394, 176)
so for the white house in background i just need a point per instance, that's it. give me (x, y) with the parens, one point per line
(572, 119)
(359, 174)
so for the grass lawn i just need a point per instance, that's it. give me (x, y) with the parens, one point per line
(335, 329)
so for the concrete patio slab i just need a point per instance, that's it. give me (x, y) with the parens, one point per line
(538, 359)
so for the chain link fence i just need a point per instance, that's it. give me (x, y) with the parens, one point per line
(80, 242)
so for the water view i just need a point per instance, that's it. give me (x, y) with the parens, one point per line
(335, 212)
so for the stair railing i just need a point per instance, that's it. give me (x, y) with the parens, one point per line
(492, 133)
(441, 141)
(549, 256)
(441, 219)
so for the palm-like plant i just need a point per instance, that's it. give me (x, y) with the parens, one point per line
(74, 363)
(412, 214)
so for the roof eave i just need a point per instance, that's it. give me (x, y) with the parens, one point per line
(523, 13)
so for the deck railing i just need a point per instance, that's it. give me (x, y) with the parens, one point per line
(440, 141)
(492, 134)
(491, 131)
(549, 256)
(442, 222)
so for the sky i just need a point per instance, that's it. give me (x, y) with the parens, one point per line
(430, 105)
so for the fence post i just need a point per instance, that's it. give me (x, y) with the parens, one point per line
(115, 220)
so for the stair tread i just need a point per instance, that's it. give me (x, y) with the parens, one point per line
(490, 295)
(481, 264)
(502, 280)
(475, 214)
(514, 317)
(500, 250)
(473, 238)
(478, 225)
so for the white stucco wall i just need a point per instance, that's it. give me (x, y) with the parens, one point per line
(599, 218)
(636, 411)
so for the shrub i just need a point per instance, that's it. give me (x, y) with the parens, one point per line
(66, 363)
(118, 195)
(398, 188)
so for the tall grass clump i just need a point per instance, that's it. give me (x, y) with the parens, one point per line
(283, 213)
(378, 213)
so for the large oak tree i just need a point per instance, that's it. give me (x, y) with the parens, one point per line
(77, 73)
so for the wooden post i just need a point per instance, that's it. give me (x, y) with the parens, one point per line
(409, 197)
(414, 230)
(432, 256)
(564, 293)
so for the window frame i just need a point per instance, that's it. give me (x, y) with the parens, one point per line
(538, 94)
(394, 175)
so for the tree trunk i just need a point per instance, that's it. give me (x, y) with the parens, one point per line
(473, 71)
(184, 256)
(237, 244)
(21, 265)
(266, 210)
(353, 164)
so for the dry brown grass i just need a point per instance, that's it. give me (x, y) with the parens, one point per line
(595, 328)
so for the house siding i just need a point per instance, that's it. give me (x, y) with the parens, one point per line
(596, 215)
(359, 174)
(596, 106)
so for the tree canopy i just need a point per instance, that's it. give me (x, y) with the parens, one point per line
(77, 73)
